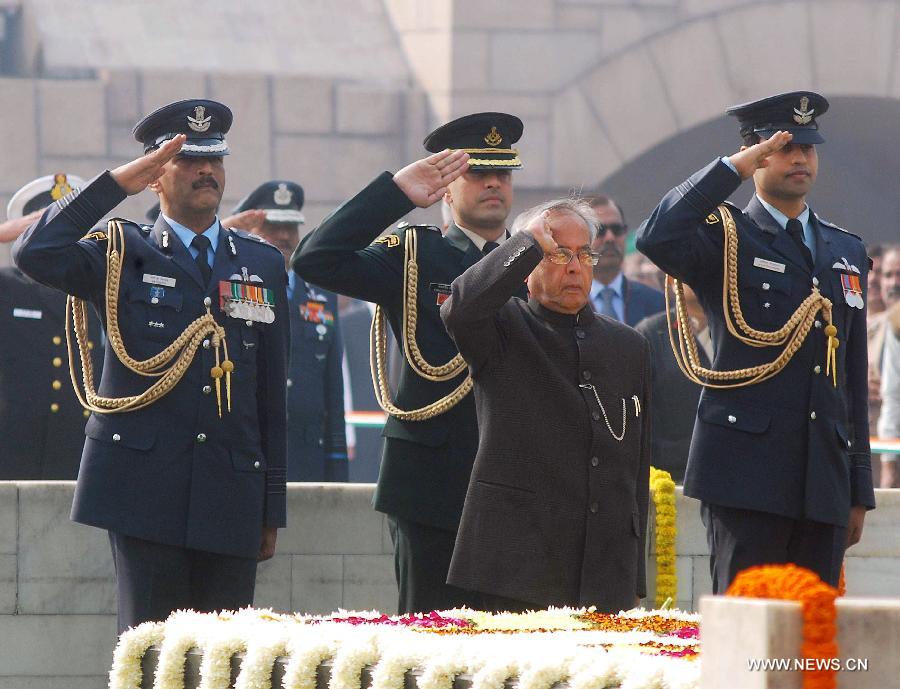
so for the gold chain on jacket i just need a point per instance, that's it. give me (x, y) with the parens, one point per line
(791, 335)
(169, 366)
(378, 349)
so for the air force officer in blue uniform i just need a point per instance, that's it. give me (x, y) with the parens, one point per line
(317, 444)
(781, 466)
(191, 496)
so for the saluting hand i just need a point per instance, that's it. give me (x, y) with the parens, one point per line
(249, 221)
(540, 229)
(752, 158)
(135, 176)
(425, 181)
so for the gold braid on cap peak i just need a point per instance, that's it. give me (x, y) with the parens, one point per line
(169, 366)
(791, 335)
(378, 351)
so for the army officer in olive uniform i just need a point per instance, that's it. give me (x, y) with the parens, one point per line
(317, 444)
(428, 456)
(187, 477)
(780, 451)
(41, 419)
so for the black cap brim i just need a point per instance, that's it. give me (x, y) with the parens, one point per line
(801, 135)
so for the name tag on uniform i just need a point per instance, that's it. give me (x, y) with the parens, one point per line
(33, 314)
(443, 291)
(768, 265)
(159, 280)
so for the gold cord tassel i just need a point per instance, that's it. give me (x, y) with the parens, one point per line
(228, 367)
(831, 351)
(216, 373)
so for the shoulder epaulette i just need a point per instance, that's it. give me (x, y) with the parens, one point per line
(403, 225)
(255, 238)
(826, 223)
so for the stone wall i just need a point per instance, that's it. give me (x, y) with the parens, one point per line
(57, 594)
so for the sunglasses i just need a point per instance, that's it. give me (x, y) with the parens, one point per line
(618, 229)
(563, 256)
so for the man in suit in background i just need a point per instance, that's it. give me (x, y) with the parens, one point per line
(556, 510)
(613, 294)
(41, 419)
(428, 455)
(317, 445)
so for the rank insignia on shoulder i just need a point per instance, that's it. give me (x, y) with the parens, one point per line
(391, 240)
(712, 219)
(248, 302)
(96, 235)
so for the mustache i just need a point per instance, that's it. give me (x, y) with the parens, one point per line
(609, 249)
(205, 182)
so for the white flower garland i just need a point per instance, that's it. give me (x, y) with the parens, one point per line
(552, 646)
(133, 644)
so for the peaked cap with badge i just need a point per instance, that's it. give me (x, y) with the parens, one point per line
(204, 122)
(795, 112)
(486, 136)
(280, 199)
(782, 429)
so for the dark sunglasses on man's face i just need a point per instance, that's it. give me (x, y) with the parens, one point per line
(618, 229)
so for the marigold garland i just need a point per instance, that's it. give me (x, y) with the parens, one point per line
(662, 489)
(790, 582)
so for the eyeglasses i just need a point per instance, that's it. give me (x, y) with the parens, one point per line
(618, 229)
(563, 256)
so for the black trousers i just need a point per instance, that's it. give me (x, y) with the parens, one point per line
(740, 538)
(153, 580)
(421, 561)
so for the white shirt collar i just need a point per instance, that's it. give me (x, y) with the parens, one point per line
(186, 235)
(782, 219)
(477, 239)
(616, 285)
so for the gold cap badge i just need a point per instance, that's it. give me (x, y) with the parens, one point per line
(61, 187)
(493, 137)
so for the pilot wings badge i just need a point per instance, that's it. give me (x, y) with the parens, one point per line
(198, 122)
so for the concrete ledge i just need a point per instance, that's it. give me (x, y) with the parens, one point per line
(56, 577)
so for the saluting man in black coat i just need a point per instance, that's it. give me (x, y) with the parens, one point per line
(190, 485)
(781, 464)
(317, 444)
(41, 419)
(426, 463)
(556, 511)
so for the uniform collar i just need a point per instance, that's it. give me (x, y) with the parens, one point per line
(478, 240)
(782, 219)
(584, 317)
(187, 235)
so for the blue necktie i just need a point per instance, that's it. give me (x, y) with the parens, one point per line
(606, 303)
(201, 244)
(795, 230)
